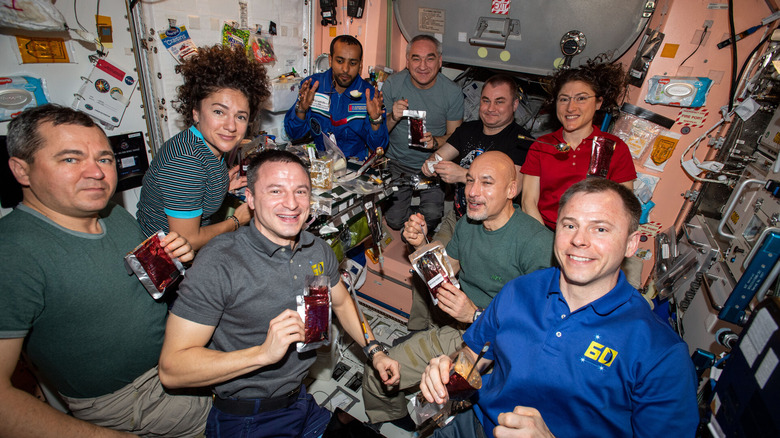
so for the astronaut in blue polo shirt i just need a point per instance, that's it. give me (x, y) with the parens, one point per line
(339, 101)
(576, 351)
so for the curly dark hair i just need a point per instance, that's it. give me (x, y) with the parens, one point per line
(217, 68)
(608, 80)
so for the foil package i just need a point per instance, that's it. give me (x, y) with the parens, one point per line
(417, 128)
(601, 156)
(433, 265)
(153, 266)
(314, 307)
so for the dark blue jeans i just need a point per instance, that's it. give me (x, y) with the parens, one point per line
(464, 425)
(304, 419)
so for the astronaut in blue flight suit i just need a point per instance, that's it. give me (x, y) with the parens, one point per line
(328, 102)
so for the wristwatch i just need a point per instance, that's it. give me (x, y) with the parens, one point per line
(372, 348)
(477, 314)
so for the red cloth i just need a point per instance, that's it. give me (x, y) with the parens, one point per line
(557, 171)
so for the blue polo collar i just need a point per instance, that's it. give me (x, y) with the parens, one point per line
(608, 303)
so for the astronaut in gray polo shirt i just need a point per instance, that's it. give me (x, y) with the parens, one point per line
(234, 326)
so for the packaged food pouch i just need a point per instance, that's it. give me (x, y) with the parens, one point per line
(154, 267)
(232, 36)
(416, 128)
(333, 152)
(314, 307)
(601, 156)
(433, 265)
(321, 172)
(178, 43)
(262, 49)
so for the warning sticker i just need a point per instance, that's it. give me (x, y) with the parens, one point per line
(693, 117)
(431, 20)
(500, 7)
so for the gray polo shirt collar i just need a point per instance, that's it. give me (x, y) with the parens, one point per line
(263, 244)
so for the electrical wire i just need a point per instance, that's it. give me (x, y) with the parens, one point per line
(695, 146)
(86, 34)
(102, 50)
(76, 14)
(750, 55)
(733, 35)
(703, 34)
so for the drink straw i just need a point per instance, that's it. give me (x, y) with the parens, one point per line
(424, 235)
(481, 353)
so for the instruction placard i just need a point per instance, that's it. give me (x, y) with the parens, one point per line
(431, 20)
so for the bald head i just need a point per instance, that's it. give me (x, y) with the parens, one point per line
(491, 184)
(500, 162)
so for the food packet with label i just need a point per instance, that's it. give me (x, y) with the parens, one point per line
(416, 128)
(178, 43)
(262, 49)
(234, 37)
(432, 264)
(314, 307)
(153, 266)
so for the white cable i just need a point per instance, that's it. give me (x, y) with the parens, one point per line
(695, 146)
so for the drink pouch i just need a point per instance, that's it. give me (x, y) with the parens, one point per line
(458, 390)
(314, 307)
(416, 128)
(154, 268)
(433, 265)
(601, 156)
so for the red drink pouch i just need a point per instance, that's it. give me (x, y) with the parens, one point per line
(432, 264)
(155, 269)
(601, 156)
(416, 128)
(314, 307)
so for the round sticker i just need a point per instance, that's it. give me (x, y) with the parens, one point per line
(505, 55)
(102, 85)
(315, 127)
(482, 52)
(129, 80)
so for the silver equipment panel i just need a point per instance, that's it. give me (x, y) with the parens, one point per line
(530, 36)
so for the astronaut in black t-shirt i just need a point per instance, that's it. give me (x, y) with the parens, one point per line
(495, 130)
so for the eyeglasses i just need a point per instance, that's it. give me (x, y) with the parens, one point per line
(578, 99)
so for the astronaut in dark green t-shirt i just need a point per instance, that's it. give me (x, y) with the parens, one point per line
(494, 243)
